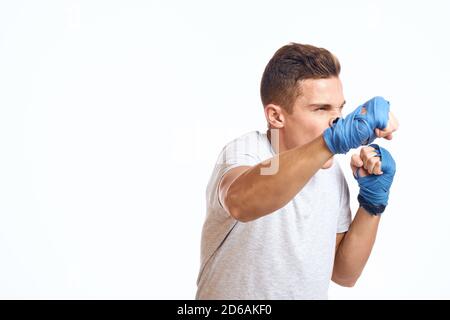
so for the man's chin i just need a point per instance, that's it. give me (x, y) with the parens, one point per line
(328, 164)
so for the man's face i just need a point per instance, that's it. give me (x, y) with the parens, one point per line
(320, 102)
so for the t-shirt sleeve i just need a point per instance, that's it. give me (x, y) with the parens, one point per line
(239, 152)
(344, 215)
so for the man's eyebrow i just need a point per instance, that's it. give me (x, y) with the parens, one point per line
(327, 105)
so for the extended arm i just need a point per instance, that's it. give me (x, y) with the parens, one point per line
(251, 195)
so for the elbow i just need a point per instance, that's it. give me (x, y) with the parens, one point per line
(347, 282)
(236, 213)
(233, 209)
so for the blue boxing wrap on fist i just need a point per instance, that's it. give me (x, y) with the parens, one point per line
(374, 189)
(357, 128)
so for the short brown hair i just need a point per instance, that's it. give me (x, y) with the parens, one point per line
(292, 63)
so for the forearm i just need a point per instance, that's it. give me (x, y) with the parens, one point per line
(253, 195)
(355, 248)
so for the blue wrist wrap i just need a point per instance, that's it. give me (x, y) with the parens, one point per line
(358, 129)
(374, 189)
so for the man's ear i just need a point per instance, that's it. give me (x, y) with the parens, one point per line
(275, 116)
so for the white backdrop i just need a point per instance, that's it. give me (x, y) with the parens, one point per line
(112, 114)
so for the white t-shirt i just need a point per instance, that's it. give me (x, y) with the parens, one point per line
(288, 254)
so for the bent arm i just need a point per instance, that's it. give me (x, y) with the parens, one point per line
(252, 195)
(355, 248)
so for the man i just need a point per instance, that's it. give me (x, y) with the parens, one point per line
(278, 222)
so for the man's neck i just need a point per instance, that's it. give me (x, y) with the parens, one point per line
(277, 146)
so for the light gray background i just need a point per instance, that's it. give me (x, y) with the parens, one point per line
(112, 114)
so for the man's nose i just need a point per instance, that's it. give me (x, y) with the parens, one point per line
(336, 113)
(332, 121)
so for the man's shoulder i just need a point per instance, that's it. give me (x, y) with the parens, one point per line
(247, 149)
(251, 142)
(251, 136)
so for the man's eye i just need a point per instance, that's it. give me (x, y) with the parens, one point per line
(322, 108)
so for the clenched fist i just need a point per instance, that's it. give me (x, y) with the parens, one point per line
(374, 169)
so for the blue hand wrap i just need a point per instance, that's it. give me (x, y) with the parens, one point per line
(374, 189)
(358, 129)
